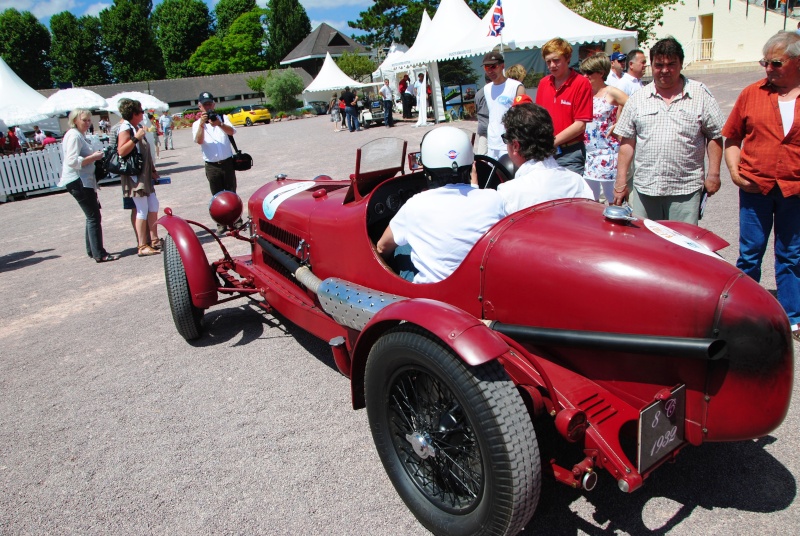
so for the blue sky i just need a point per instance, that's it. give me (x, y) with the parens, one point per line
(334, 12)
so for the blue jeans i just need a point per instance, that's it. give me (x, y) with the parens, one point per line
(87, 200)
(757, 214)
(388, 120)
(352, 118)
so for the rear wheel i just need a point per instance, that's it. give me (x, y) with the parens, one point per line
(456, 441)
(188, 318)
(247, 122)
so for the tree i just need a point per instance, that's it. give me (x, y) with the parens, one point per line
(228, 11)
(355, 65)
(129, 41)
(287, 26)
(210, 57)
(384, 16)
(76, 50)
(257, 84)
(245, 43)
(25, 45)
(180, 27)
(457, 72)
(282, 89)
(638, 15)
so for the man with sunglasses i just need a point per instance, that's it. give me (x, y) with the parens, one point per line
(762, 151)
(499, 94)
(666, 129)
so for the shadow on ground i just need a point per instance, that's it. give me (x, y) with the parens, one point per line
(23, 259)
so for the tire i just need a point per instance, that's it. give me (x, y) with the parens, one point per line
(456, 441)
(188, 318)
(266, 122)
(491, 173)
(247, 122)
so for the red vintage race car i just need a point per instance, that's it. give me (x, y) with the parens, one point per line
(572, 338)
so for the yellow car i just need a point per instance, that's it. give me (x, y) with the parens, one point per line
(250, 114)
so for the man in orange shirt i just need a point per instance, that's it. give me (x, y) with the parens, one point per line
(762, 151)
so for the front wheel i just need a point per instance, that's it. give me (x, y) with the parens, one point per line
(187, 317)
(456, 441)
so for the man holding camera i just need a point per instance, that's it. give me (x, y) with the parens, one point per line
(211, 132)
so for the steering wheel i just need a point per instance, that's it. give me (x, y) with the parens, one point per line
(492, 172)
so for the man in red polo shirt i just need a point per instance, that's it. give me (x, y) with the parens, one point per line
(567, 96)
(761, 150)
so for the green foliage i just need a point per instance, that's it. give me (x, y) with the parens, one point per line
(241, 50)
(638, 15)
(282, 89)
(129, 41)
(384, 16)
(227, 11)
(457, 72)
(287, 26)
(25, 45)
(257, 84)
(76, 51)
(354, 65)
(180, 27)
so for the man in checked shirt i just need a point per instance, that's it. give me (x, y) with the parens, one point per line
(666, 130)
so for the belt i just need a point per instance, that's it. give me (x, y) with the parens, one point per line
(571, 144)
(219, 162)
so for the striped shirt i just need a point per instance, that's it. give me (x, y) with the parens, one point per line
(670, 139)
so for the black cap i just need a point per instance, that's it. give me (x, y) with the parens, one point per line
(205, 96)
(493, 58)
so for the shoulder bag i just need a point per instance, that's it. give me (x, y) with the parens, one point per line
(241, 161)
(129, 165)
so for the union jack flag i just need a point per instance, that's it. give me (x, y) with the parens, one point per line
(497, 23)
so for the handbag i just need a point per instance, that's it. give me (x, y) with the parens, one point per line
(241, 161)
(129, 165)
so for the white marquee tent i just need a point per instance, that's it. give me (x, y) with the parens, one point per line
(20, 100)
(330, 78)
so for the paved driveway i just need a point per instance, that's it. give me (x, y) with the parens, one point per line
(110, 423)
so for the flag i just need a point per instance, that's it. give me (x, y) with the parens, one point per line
(497, 22)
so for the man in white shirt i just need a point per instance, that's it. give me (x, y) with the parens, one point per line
(529, 137)
(386, 95)
(499, 94)
(617, 69)
(211, 132)
(632, 80)
(165, 122)
(441, 225)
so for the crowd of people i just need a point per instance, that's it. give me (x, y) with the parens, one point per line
(595, 131)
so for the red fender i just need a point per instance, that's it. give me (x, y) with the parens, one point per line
(202, 283)
(466, 335)
(696, 233)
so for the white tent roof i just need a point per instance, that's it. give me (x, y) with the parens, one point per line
(453, 19)
(396, 51)
(331, 78)
(530, 24)
(20, 100)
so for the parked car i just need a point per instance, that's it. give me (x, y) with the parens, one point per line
(609, 342)
(249, 115)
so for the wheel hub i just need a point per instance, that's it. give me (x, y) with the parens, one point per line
(421, 444)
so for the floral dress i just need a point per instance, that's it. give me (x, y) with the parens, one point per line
(602, 149)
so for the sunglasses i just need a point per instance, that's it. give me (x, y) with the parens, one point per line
(775, 64)
(505, 138)
(491, 67)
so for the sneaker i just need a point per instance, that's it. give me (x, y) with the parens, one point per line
(221, 229)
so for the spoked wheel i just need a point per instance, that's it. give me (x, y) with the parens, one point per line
(247, 122)
(492, 172)
(188, 318)
(456, 441)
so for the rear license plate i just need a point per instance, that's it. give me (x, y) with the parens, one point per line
(661, 428)
(376, 104)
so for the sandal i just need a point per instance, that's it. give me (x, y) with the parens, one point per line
(147, 251)
(157, 244)
(108, 257)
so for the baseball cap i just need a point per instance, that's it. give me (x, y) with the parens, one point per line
(618, 56)
(522, 99)
(205, 96)
(493, 58)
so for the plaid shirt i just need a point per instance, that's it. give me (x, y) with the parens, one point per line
(670, 139)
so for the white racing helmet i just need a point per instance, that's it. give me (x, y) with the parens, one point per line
(447, 155)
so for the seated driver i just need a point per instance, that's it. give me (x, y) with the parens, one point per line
(529, 139)
(442, 223)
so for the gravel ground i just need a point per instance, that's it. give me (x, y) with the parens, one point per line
(110, 423)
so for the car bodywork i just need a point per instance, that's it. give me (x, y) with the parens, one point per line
(703, 354)
(250, 114)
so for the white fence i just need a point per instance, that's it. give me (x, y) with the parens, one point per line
(34, 170)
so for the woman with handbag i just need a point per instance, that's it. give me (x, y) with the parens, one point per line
(139, 187)
(77, 176)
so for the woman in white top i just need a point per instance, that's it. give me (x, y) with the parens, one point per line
(77, 176)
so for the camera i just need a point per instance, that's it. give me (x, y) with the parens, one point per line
(212, 116)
